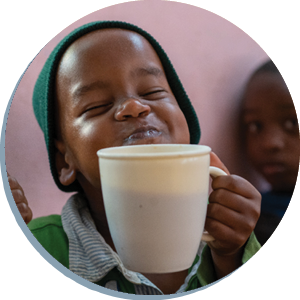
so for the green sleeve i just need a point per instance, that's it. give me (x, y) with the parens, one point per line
(252, 246)
(206, 272)
(50, 234)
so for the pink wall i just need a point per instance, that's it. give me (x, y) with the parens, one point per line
(212, 57)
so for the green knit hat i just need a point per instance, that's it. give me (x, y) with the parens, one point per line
(44, 91)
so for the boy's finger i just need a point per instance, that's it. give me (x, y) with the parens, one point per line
(237, 185)
(13, 183)
(18, 196)
(216, 162)
(25, 212)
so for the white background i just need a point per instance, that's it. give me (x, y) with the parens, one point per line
(26, 26)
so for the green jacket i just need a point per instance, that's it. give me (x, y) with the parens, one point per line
(50, 234)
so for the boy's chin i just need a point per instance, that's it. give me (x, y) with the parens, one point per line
(284, 187)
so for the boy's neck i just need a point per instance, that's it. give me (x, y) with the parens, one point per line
(99, 217)
(97, 210)
(283, 190)
(102, 227)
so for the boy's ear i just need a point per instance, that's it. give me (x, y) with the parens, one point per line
(64, 166)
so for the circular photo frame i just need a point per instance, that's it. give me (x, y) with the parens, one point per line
(214, 62)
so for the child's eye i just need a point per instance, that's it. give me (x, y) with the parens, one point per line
(291, 125)
(154, 94)
(98, 109)
(254, 127)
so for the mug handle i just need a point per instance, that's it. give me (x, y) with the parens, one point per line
(214, 172)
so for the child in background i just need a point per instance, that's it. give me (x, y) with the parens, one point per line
(110, 84)
(272, 142)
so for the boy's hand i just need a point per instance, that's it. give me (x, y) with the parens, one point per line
(20, 199)
(232, 213)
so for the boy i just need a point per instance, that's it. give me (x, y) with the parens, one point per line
(272, 142)
(110, 84)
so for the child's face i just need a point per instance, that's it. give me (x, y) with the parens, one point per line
(272, 133)
(112, 91)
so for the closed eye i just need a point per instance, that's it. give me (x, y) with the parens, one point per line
(154, 94)
(98, 109)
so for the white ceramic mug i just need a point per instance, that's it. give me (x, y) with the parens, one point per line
(155, 198)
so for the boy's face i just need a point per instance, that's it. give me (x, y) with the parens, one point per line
(272, 133)
(112, 91)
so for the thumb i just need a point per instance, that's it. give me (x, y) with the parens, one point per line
(216, 162)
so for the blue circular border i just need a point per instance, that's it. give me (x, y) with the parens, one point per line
(41, 250)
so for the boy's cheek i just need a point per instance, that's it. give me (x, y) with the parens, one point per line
(178, 126)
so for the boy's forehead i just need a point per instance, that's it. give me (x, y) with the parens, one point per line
(267, 89)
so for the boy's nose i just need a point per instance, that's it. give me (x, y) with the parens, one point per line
(131, 108)
(273, 141)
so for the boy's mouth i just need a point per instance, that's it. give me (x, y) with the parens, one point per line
(142, 133)
(270, 169)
